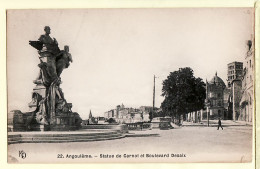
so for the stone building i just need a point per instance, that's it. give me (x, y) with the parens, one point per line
(110, 114)
(235, 97)
(228, 106)
(128, 115)
(215, 97)
(247, 100)
(235, 71)
(233, 94)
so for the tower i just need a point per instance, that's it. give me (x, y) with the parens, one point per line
(235, 71)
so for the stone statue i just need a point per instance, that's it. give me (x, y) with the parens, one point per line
(63, 60)
(48, 49)
(49, 106)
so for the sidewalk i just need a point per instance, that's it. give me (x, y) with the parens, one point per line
(214, 123)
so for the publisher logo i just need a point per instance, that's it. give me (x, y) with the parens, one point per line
(22, 154)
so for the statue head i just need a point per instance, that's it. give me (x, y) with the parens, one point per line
(66, 48)
(47, 30)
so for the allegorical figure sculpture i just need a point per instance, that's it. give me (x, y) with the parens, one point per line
(49, 106)
(63, 60)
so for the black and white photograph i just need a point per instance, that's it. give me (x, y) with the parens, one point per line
(131, 85)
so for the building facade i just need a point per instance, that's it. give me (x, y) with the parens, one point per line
(228, 104)
(235, 95)
(247, 100)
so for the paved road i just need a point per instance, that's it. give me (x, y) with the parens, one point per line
(186, 144)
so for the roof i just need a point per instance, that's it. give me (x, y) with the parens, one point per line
(217, 80)
(235, 62)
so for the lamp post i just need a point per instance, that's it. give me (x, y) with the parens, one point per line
(208, 115)
(207, 102)
(153, 94)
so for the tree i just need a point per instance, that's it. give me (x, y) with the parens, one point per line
(111, 121)
(154, 113)
(182, 93)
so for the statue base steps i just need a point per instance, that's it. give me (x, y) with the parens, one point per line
(61, 137)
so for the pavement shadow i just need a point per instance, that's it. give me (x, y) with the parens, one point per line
(142, 135)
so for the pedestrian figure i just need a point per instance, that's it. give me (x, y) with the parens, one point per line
(219, 123)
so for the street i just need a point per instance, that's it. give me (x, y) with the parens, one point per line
(184, 144)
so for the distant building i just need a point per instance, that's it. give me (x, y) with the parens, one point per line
(128, 115)
(110, 114)
(146, 108)
(247, 100)
(215, 97)
(91, 119)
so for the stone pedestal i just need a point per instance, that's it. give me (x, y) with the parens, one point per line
(10, 128)
(41, 127)
(66, 122)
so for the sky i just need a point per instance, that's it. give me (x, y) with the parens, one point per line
(116, 52)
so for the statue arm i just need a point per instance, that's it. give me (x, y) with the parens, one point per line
(55, 41)
(58, 56)
(41, 38)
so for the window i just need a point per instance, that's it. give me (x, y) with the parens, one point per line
(219, 103)
(219, 113)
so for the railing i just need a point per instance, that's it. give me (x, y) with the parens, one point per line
(138, 126)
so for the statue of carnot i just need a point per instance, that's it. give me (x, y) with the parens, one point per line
(48, 100)
(48, 49)
(48, 107)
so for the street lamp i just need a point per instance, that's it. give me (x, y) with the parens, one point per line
(207, 103)
(153, 94)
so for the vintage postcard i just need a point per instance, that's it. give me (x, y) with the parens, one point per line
(171, 85)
